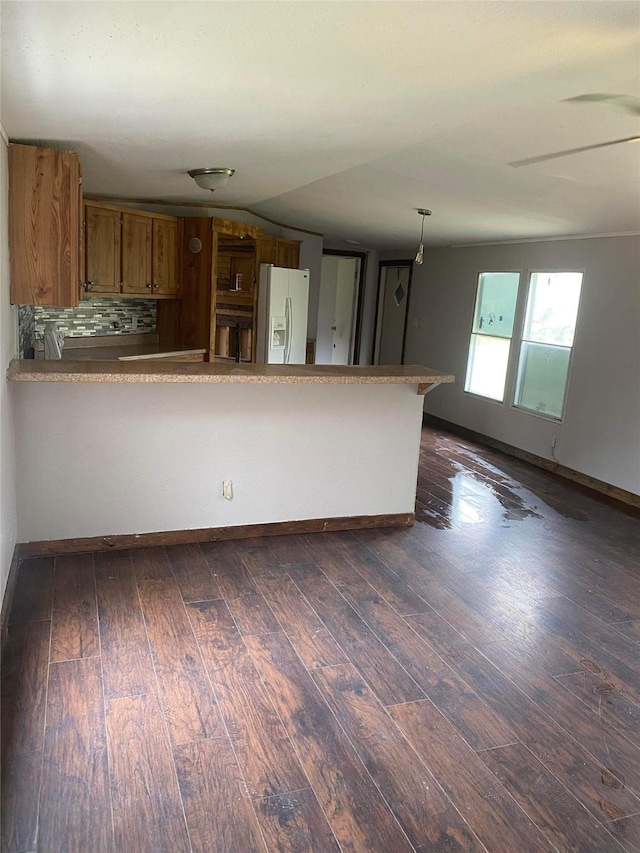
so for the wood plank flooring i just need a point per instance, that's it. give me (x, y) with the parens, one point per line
(469, 684)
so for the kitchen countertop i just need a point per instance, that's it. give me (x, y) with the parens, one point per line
(125, 352)
(121, 347)
(157, 372)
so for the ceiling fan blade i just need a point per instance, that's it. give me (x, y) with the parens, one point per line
(529, 161)
(623, 103)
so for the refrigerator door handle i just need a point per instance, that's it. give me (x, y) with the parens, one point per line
(288, 313)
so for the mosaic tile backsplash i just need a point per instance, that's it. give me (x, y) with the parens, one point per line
(92, 317)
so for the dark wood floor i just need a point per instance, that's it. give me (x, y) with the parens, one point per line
(472, 683)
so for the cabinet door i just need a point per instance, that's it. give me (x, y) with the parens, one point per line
(136, 254)
(265, 252)
(288, 254)
(102, 249)
(164, 262)
(43, 226)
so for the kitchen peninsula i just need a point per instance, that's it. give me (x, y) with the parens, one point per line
(118, 454)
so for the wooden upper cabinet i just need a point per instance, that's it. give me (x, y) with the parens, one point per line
(277, 251)
(136, 254)
(130, 252)
(44, 224)
(102, 235)
(164, 263)
(288, 253)
(265, 251)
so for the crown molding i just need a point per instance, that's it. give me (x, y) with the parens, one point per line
(517, 240)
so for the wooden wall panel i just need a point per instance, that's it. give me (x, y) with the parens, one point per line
(186, 320)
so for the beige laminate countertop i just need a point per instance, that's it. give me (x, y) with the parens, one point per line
(152, 372)
(126, 353)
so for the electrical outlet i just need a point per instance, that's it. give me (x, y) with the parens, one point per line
(227, 490)
(134, 323)
(554, 440)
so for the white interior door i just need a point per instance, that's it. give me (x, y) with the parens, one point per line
(343, 326)
(394, 294)
(337, 309)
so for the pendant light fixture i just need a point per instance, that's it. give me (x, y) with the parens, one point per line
(420, 253)
(211, 179)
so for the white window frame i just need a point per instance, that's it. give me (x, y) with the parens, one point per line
(513, 372)
(513, 339)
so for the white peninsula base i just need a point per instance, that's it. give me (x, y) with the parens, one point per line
(121, 460)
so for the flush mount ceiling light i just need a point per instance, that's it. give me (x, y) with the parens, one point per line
(211, 179)
(420, 253)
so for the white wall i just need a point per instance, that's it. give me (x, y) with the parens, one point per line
(600, 435)
(8, 350)
(107, 459)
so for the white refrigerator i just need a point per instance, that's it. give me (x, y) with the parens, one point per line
(283, 304)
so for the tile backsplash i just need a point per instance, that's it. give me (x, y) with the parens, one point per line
(92, 317)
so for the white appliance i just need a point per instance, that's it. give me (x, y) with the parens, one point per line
(283, 304)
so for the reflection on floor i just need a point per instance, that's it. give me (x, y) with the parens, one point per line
(460, 485)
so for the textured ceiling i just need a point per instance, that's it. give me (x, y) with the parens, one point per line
(341, 117)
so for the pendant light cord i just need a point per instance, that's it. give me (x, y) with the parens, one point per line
(420, 252)
(422, 228)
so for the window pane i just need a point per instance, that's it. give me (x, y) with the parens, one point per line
(542, 378)
(487, 366)
(552, 307)
(496, 303)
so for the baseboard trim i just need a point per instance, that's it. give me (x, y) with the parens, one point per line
(211, 534)
(613, 493)
(7, 598)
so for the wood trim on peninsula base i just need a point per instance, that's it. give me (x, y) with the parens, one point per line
(211, 534)
(619, 496)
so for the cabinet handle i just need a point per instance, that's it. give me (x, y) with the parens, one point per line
(155, 286)
(150, 286)
(88, 285)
